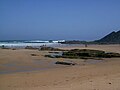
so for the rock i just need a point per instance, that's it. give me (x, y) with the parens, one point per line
(44, 48)
(34, 55)
(65, 63)
(30, 47)
(110, 83)
(88, 53)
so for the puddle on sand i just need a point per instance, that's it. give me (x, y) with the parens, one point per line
(54, 54)
(91, 61)
(42, 65)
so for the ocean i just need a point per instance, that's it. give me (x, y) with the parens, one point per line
(33, 43)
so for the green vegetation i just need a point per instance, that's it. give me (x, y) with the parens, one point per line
(88, 53)
(44, 48)
(84, 54)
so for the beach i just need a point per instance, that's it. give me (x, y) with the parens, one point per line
(24, 69)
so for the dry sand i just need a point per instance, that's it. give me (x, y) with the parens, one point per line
(25, 72)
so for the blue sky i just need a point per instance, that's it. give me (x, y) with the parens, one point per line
(58, 19)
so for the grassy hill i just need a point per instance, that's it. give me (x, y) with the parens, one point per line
(112, 38)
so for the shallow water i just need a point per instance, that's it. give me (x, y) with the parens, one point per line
(92, 61)
(37, 65)
(15, 67)
(56, 54)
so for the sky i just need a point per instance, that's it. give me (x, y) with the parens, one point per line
(58, 19)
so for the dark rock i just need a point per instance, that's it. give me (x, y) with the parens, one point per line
(30, 47)
(4, 47)
(34, 55)
(64, 63)
(44, 48)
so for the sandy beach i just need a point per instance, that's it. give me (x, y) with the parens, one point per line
(20, 70)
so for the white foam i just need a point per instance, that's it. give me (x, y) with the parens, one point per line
(26, 44)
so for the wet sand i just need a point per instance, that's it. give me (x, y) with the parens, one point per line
(27, 72)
